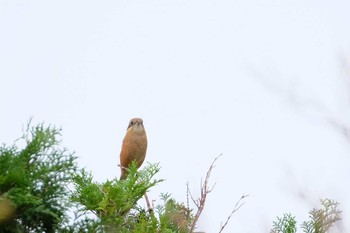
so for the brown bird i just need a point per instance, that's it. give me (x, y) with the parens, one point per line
(134, 146)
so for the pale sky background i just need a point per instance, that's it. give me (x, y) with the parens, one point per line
(207, 77)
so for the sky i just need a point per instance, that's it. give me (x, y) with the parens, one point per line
(252, 80)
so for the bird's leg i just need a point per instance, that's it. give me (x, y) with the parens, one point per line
(149, 207)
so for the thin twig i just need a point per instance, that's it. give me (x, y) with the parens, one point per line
(341, 127)
(205, 190)
(189, 194)
(303, 103)
(238, 205)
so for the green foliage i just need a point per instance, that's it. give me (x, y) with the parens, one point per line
(33, 182)
(173, 216)
(114, 204)
(112, 200)
(321, 220)
(287, 224)
(34, 194)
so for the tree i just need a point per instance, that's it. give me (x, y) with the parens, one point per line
(320, 220)
(33, 182)
(41, 183)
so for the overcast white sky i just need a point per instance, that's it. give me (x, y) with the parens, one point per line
(203, 76)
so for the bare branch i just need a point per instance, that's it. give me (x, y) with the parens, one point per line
(340, 126)
(189, 194)
(238, 205)
(307, 104)
(345, 65)
(205, 190)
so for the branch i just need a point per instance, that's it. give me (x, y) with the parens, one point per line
(238, 205)
(189, 194)
(205, 190)
(303, 103)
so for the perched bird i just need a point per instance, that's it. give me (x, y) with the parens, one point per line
(134, 146)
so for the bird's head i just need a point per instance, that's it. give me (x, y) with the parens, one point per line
(136, 124)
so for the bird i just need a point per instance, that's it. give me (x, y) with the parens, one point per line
(134, 146)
